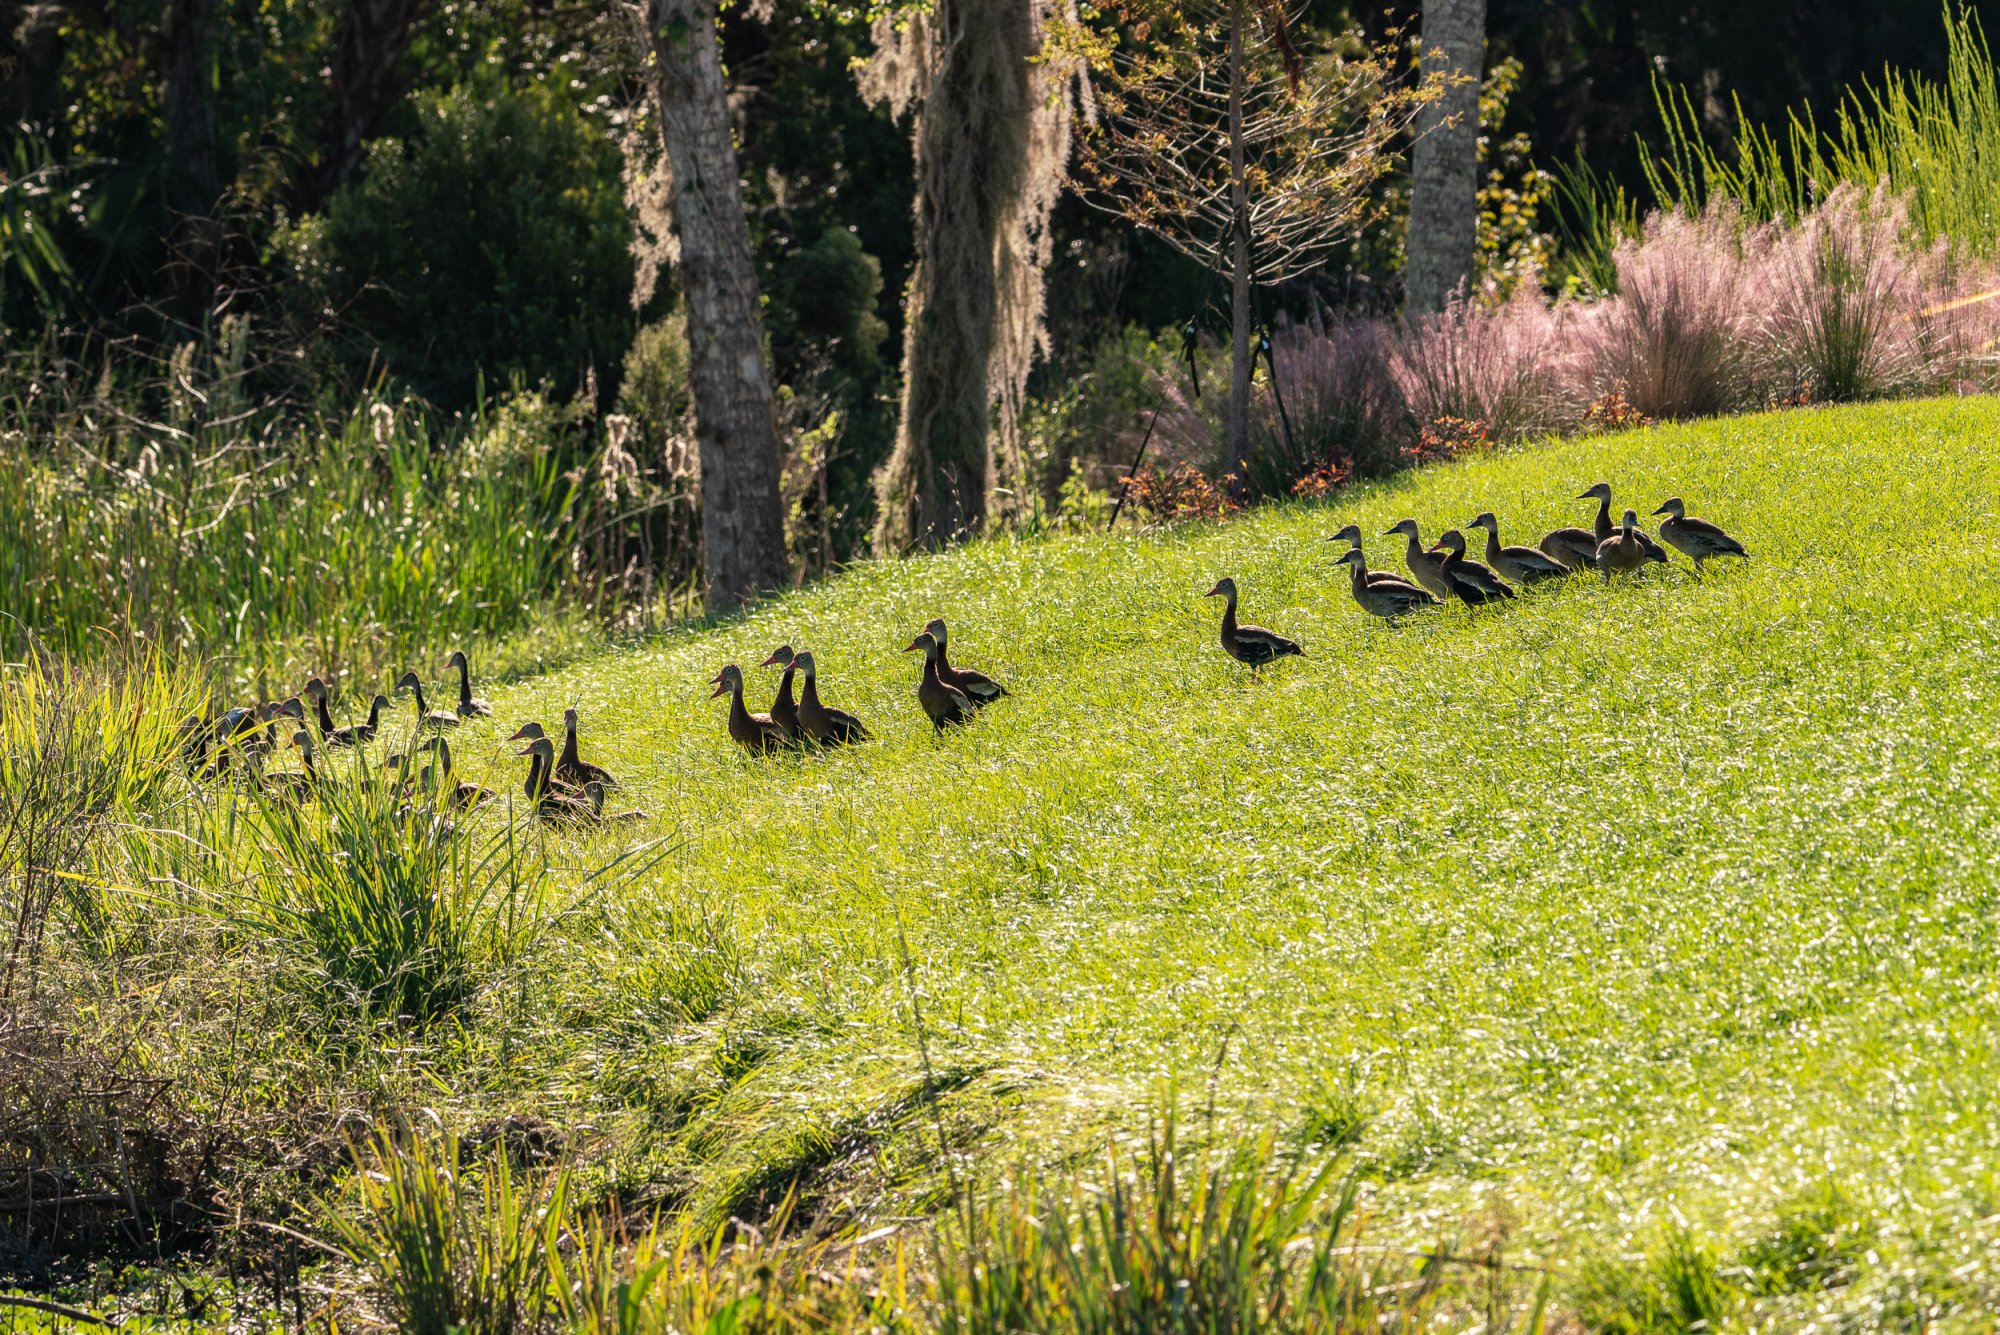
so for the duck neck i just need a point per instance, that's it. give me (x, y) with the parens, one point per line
(1229, 613)
(809, 692)
(785, 685)
(1603, 528)
(943, 658)
(569, 755)
(1493, 546)
(1416, 549)
(422, 708)
(1359, 570)
(325, 715)
(374, 712)
(306, 759)
(464, 683)
(534, 785)
(739, 717)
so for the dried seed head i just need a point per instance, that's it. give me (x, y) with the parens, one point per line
(383, 419)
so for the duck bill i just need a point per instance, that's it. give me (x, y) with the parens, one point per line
(1662, 510)
(772, 661)
(912, 647)
(1215, 592)
(519, 733)
(720, 687)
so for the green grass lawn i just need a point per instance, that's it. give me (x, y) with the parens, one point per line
(1613, 908)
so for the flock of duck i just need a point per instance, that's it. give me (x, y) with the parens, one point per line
(563, 788)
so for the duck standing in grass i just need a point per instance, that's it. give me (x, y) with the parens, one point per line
(827, 727)
(1696, 539)
(975, 686)
(1622, 553)
(557, 806)
(1523, 565)
(1471, 583)
(1351, 535)
(1386, 598)
(1427, 567)
(469, 706)
(571, 768)
(1252, 645)
(426, 716)
(322, 715)
(541, 778)
(784, 709)
(1604, 528)
(755, 733)
(356, 734)
(945, 704)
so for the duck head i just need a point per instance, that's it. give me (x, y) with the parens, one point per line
(380, 701)
(443, 749)
(1224, 588)
(1484, 519)
(1355, 557)
(935, 629)
(542, 748)
(1453, 539)
(569, 719)
(290, 708)
(1406, 527)
(316, 688)
(1672, 507)
(409, 681)
(300, 739)
(804, 663)
(457, 660)
(1631, 519)
(527, 732)
(1596, 491)
(1350, 535)
(780, 657)
(926, 643)
(725, 681)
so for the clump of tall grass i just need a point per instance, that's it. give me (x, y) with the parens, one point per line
(1489, 364)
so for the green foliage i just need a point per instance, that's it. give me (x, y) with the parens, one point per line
(826, 299)
(491, 243)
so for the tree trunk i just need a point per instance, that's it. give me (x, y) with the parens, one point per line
(742, 517)
(366, 78)
(1240, 365)
(190, 110)
(1444, 165)
(992, 144)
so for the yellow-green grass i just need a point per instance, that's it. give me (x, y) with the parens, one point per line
(1618, 905)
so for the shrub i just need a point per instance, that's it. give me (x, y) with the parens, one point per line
(540, 288)
(1176, 493)
(1497, 365)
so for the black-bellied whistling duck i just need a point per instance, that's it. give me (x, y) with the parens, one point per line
(555, 805)
(572, 769)
(975, 686)
(595, 792)
(1253, 645)
(354, 734)
(469, 705)
(461, 796)
(1351, 535)
(1622, 553)
(784, 709)
(1523, 565)
(322, 715)
(426, 716)
(1603, 527)
(755, 733)
(1426, 567)
(1696, 539)
(1387, 599)
(946, 705)
(540, 778)
(290, 787)
(828, 727)
(1471, 583)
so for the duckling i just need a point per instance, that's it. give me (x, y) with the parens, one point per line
(1351, 535)
(828, 727)
(1696, 539)
(595, 792)
(1471, 583)
(356, 734)
(1426, 566)
(461, 796)
(426, 716)
(573, 770)
(755, 733)
(1622, 553)
(322, 716)
(1384, 599)
(1601, 493)
(469, 706)
(1523, 565)
(977, 687)
(784, 709)
(947, 706)
(1248, 644)
(556, 806)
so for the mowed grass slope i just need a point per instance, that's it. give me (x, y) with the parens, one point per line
(1615, 906)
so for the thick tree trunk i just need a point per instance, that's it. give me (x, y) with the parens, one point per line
(367, 79)
(992, 142)
(1444, 165)
(190, 140)
(1240, 365)
(742, 517)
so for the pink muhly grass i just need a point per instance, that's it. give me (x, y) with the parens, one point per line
(1499, 365)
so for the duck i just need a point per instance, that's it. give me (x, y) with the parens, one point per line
(947, 706)
(460, 796)
(558, 806)
(357, 734)
(594, 791)
(1351, 535)
(426, 716)
(540, 780)
(784, 709)
(1601, 493)
(1696, 539)
(469, 705)
(291, 787)
(1387, 599)
(1248, 644)
(1426, 566)
(828, 727)
(977, 687)
(322, 715)
(755, 733)
(572, 769)
(1471, 583)
(1622, 552)
(193, 736)
(1523, 565)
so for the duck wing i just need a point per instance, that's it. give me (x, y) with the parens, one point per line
(977, 687)
(842, 726)
(1710, 539)
(1265, 645)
